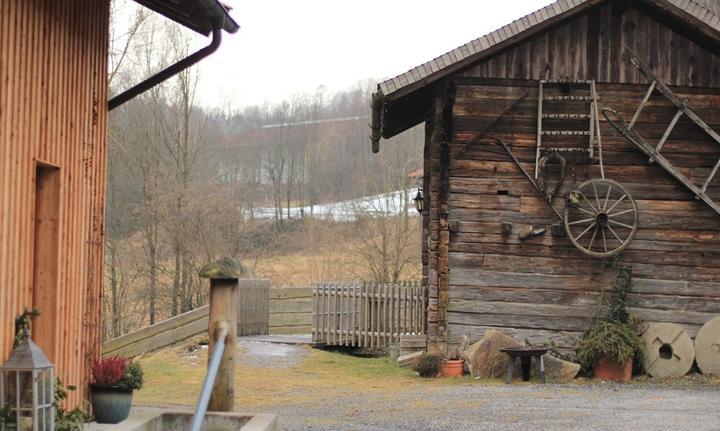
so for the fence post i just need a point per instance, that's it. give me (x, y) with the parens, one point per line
(224, 278)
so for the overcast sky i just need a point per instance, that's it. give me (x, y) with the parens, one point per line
(285, 46)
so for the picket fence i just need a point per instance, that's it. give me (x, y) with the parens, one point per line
(367, 315)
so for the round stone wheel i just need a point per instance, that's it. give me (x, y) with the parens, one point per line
(707, 347)
(668, 350)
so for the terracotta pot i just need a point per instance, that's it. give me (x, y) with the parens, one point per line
(609, 369)
(453, 368)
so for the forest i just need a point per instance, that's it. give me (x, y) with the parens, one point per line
(185, 184)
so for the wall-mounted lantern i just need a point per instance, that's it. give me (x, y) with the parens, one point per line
(27, 389)
(419, 201)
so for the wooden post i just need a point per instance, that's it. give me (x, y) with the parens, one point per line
(224, 280)
(223, 308)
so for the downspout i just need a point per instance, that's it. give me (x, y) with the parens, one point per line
(377, 105)
(168, 72)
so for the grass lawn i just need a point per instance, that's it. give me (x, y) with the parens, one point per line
(174, 377)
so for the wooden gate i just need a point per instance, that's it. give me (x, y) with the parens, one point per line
(367, 315)
(253, 306)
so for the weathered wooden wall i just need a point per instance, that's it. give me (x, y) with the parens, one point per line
(53, 98)
(544, 286)
(478, 278)
(593, 46)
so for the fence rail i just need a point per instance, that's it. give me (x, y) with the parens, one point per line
(367, 315)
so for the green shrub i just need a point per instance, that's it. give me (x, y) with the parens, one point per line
(429, 365)
(133, 378)
(613, 340)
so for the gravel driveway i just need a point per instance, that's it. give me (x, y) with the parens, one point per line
(518, 407)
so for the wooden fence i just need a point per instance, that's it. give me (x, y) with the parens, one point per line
(253, 317)
(290, 310)
(253, 307)
(367, 315)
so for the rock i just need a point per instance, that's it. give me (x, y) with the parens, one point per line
(222, 269)
(486, 361)
(559, 370)
(707, 347)
(484, 358)
(408, 360)
(668, 350)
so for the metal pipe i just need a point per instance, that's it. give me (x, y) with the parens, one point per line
(209, 382)
(168, 72)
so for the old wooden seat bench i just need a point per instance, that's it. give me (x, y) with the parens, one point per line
(525, 354)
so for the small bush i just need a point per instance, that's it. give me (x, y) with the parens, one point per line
(133, 378)
(613, 340)
(108, 371)
(428, 365)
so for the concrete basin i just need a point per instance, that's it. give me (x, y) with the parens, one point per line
(155, 420)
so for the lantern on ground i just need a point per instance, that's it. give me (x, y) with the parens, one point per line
(27, 388)
(419, 201)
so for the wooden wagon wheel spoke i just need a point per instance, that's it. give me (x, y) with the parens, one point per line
(577, 238)
(592, 240)
(607, 197)
(617, 214)
(589, 203)
(617, 237)
(586, 211)
(616, 203)
(600, 214)
(583, 221)
(620, 224)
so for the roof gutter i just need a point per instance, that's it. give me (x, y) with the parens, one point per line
(171, 70)
(377, 104)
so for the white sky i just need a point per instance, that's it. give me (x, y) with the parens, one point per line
(285, 47)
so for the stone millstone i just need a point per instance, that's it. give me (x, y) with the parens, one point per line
(485, 360)
(223, 269)
(707, 347)
(667, 350)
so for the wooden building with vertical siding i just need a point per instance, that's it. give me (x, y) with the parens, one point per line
(480, 273)
(53, 120)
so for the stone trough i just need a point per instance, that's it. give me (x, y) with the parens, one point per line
(157, 420)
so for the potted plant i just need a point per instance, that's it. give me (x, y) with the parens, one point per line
(454, 364)
(609, 345)
(112, 384)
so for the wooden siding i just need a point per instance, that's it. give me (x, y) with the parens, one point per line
(592, 46)
(543, 286)
(53, 98)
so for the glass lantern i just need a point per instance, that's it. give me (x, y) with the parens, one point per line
(27, 388)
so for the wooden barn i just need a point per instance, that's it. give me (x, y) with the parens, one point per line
(559, 148)
(53, 120)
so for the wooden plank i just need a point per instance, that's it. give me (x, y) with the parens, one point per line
(159, 340)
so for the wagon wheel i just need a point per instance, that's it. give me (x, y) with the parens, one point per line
(601, 218)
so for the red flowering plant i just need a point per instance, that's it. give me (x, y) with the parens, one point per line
(116, 372)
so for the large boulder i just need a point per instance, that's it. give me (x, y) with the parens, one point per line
(484, 358)
(486, 361)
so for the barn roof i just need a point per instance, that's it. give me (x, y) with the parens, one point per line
(410, 84)
(197, 15)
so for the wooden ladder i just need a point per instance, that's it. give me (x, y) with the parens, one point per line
(654, 151)
(593, 131)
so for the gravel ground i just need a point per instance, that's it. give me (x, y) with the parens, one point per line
(518, 407)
